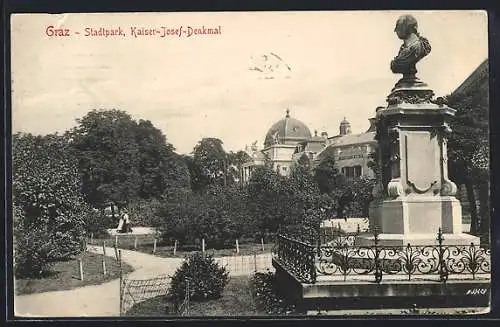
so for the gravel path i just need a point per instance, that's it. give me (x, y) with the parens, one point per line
(103, 300)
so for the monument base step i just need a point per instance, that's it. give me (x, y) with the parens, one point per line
(334, 294)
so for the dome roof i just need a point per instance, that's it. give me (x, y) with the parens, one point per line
(287, 131)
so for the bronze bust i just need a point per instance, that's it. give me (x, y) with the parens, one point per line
(413, 49)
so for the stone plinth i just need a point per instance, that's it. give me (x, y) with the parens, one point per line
(395, 291)
(415, 220)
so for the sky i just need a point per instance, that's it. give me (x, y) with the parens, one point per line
(203, 85)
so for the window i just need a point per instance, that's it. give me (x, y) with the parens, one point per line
(351, 172)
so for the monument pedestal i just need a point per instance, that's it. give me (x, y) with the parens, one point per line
(414, 197)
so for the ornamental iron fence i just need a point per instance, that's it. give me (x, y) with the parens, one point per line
(336, 255)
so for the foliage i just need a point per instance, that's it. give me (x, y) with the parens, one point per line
(159, 166)
(144, 212)
(97, 223)
(122, 160)
(217, 215)
(352, 196)
(468, 152)
(51, 213)
(357, 196)
(263, 199)
(295, 201)
(210, 164)
(468, 144)
(31, 248)
(235, 163)
(206, 279)
(265, 293)
(326, 174)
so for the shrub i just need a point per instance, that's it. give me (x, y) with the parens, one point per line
(265, 293)
(50, 209)
(31, 248)
(144, 212)
(216, 215)
(97, 223)
(206, 279)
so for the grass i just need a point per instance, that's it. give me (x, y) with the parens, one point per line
(145, 244)
(236, 300)
(125, 241)
(167, 251)
(64, 275)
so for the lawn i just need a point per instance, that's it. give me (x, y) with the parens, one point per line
(64, 275)
(145, 244)
(236, 300)
(124, 241)
(167, 251)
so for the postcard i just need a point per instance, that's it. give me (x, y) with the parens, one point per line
(250, 164)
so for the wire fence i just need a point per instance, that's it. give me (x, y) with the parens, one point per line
(134, 291)
(246, 265)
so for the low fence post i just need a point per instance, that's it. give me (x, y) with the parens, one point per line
(135, 243)
(104, 272)
(154, 246)
(262, 243)
(80, 268)
(175, 247)
(237, 247)
(119, 256)
(104, 248)
(203, 245)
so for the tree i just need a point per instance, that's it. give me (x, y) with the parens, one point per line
(263, 199)
(358, 195)
(159, 166)
(209, 164)
(331, 182)
(467, 151)
(122, 160)
(50, 212)
(217, 215)
(306, 207)
(105, 144)
(326, 173)
(235, 162)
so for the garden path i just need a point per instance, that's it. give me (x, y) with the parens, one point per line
(98, 300)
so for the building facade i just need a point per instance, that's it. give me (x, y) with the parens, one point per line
(352, 152)
(289, 139)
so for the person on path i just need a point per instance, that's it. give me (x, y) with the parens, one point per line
(126, 222)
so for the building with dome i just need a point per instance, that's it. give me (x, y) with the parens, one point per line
(289, 139)
(280, 144)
